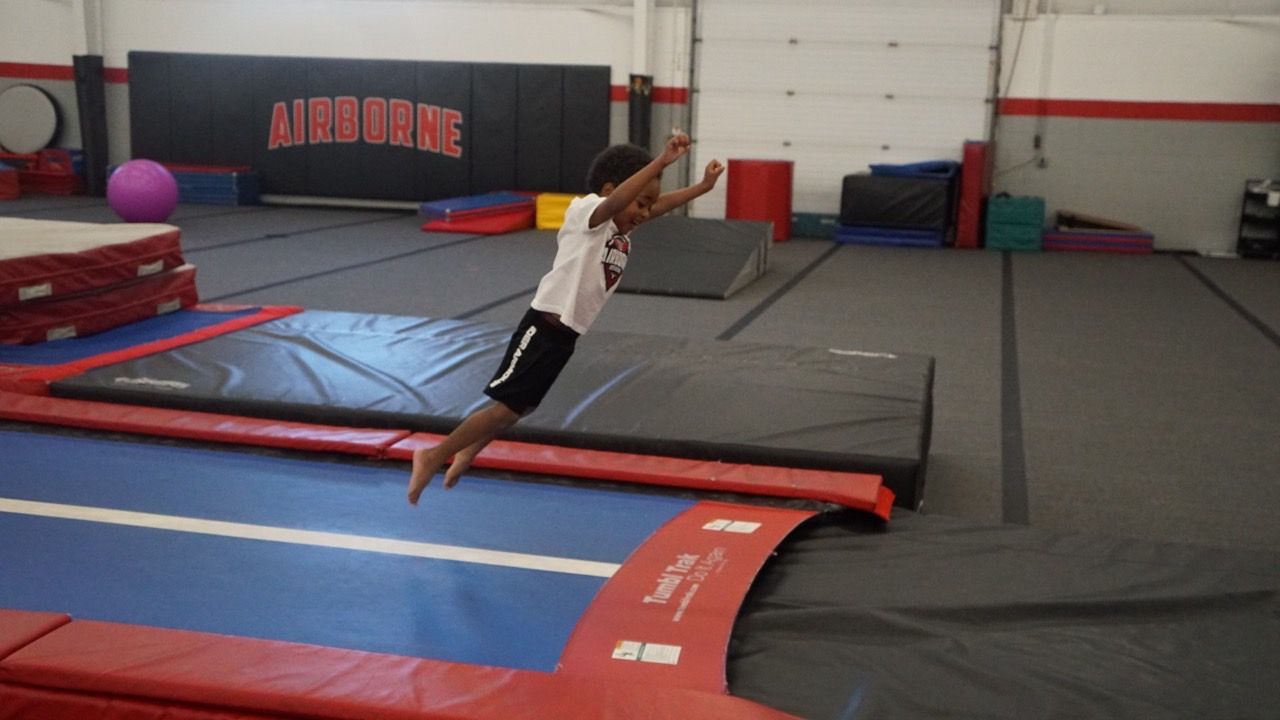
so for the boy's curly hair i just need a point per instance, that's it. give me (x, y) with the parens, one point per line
(615, 164)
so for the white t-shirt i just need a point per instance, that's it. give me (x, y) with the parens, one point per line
(588, 265)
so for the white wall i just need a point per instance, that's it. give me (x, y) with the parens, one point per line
(1159, 7)
(1143, 58)
(43, 32)
(1180, 179)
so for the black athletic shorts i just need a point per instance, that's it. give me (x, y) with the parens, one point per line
(535, 356)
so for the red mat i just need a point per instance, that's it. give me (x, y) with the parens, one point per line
(43, 259)
(88, 669)
(495, 224)
(93, 312)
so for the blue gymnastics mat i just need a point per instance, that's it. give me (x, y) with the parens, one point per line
(56, 352)
(739, 402)
(476, 205)
(866, 235)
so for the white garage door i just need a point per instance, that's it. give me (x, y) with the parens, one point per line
(834, 85)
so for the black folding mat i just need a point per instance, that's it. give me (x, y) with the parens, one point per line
(807, 407)
(696, 257)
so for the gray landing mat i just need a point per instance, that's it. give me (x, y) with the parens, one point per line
(932, 617)
(729, 401)
(696, 257)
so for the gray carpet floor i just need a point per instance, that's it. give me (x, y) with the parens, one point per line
(1125, 396)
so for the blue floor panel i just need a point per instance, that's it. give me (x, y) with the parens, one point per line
(456, 611)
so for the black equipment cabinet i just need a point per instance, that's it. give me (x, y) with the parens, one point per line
(1259, 235)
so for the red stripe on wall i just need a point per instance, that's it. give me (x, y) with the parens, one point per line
(33, 71)
(1127, 110)
(671, 95)
(36, 71)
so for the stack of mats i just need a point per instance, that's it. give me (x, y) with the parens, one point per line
(1076, 231)
(215, 184)
(550, 210)
(489, 214)
(904, 205)
(51, 171)
(10, 189)
(64, 279)
(1014, 223)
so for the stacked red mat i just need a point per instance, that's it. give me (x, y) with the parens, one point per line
(1080, 232)
(49, 171)
(63, 279)
(10, 189)
(488, 214)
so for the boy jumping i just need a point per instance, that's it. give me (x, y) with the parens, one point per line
(592, 250)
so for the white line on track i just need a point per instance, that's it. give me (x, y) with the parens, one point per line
(178, 523)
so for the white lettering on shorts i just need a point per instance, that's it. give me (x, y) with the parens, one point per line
(515, 357)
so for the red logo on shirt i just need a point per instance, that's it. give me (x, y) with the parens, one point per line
(616, 250)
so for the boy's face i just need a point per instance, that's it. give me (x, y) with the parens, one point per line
(638, 211)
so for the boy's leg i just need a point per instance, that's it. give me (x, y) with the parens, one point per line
(462, 459)
(482, 425)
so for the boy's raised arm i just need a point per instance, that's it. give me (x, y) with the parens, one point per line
(674, 199)
(623, 194)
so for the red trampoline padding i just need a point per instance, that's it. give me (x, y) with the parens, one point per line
(24, 703)
(19, 628)
(665, 617)
(193, 425)
(190, 671)
(496, 224)
(857, 491)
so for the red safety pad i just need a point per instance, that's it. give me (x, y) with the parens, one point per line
(51, 172)
(190, 670)
(9, 187)
(18, 702)
(19, 628)
(11, 371)
(975, 185)
(495, 224)
(665, 617)
(94, 312)
(192, 425)
(853, 490)
(44, 259)
(35, 380)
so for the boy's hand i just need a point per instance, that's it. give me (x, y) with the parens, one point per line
(677, 145)
(713, 172)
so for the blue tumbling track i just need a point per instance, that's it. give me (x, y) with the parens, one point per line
(444, 609)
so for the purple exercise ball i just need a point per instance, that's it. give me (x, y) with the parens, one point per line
(142, 191)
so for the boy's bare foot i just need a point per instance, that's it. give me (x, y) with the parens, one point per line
(461, 462)
(425, 466)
